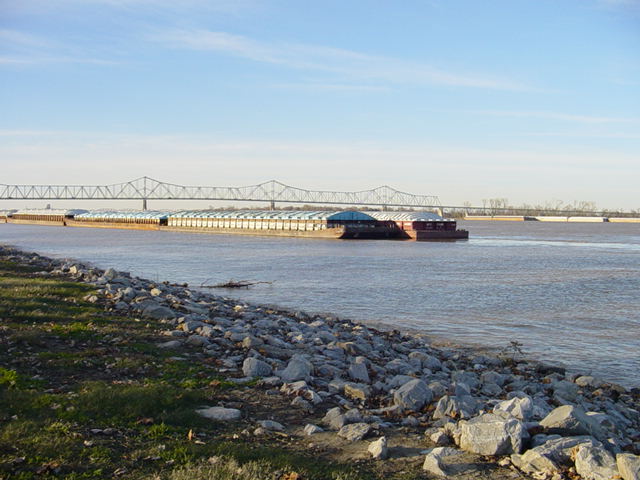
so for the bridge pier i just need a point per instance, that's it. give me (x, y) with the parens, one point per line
(144, 204)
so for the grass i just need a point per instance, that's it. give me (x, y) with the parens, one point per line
(85, 394)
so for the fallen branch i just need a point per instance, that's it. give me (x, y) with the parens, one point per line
(233, 284)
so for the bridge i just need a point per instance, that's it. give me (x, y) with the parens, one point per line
(145, 188)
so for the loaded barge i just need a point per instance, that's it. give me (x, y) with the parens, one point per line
(349, 224)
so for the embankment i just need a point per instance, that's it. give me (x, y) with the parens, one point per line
(99, 360)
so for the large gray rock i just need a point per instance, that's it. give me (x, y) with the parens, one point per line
(252, 367)
(358, 370)
(413, 395)
(595, 463)
(456, 407)
(564, 390)
(220, 414)
(334, 419)
(491, 434)
(551, 456)
(109, 274)
(521, 408)
(628, 466)
(158, 312)
(298, 368)
(354, 432)
(569, 420)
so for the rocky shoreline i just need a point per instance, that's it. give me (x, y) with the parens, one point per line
(363, 385)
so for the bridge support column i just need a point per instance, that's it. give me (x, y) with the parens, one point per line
(272, 205)
(144, 204)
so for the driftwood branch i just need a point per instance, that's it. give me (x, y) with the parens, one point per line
(233, 284)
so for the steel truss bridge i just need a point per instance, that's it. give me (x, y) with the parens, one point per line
(146, 188)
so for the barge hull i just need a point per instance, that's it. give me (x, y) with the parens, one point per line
(345, 232)
(436, 235)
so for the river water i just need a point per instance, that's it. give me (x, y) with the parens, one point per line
(570, 293)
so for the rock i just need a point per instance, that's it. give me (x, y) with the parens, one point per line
(302, 403)
(465, 376)
(399, 380)
(170, 344)
(252, 367)
(440, 438)
(521, 408)
(220, 414)
(399, 366)
(493, 377)
(595, 463)
(250, 342)
(628, 466)
(569, 420)
(565, 390)
(311, 429)
(295, 388)
(413, 395)
(456, 407)
(434, 460)
(378, 448)
(298, 368)
(334, 419)
(197, 340)
(353, 416)
(491, 434)
(109, 274)
(155, 292)
(271, 425)
(588, 381)
(354, 432)
(358, 370)
(158, 312)
(552, 455)
(357, 391)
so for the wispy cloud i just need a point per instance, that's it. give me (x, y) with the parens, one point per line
(568, 117)
(332, 87)
(30, 50)
(346, 63)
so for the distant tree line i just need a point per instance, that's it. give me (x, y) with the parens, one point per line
(490, 206)
(501, 206)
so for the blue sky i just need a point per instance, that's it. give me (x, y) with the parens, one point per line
(530, 100)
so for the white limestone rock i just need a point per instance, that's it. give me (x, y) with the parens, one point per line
(434, 461)
(220, 414)
(569, 420)
(552, 455)
(311, 429)
(595, 463)
(378, 448)
(628, 466)
(354, 432)
(491, 434)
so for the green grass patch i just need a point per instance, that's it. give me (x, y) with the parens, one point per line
(84, 393)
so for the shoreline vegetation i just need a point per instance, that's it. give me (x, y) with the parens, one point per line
(104, 375)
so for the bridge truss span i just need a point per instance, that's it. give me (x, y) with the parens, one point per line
(146, 188)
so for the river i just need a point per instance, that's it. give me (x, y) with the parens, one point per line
(569, 292)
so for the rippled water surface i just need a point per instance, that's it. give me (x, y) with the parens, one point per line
(569, 292)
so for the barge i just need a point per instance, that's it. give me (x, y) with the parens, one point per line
(347, 224)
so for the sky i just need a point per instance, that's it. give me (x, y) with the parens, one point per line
(529, 100)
